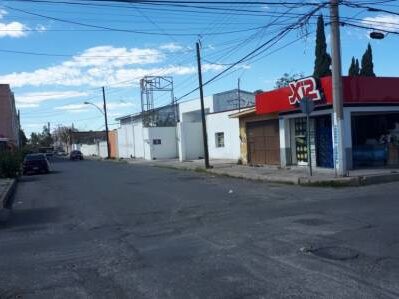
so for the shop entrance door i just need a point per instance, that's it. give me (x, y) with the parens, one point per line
(324, 148)
(300, 141)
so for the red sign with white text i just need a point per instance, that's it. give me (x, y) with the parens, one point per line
(305, 87)
(356, 91)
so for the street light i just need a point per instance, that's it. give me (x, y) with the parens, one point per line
(99, 109)
(104, 112)
(377, 35)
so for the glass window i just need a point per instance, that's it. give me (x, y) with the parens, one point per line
(219, 139)
(156, 141)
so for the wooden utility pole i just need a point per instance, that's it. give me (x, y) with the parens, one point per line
(106, 124)
(204, 133)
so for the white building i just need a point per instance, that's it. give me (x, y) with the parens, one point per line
(222, 131)
(138, 141)
(163, 140)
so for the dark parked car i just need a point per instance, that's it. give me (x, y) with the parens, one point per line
(76, 155)
(35, 163)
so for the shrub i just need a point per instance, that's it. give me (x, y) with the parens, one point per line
(10, 164)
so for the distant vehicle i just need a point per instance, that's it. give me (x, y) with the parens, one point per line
(61, 153)
(35, 163)
(48, 151)
(76, 155)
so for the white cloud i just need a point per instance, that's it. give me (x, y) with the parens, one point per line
(33, 99)
(33, 126)
(85, 107)
(382, 22)
(19, 105)
(3, 13)
(102, 65)
(95, 67)
(171, 47)
(13, 29)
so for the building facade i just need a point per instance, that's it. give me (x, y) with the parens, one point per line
(222, 131)
(136, 139)
(371, 123)
(9, 120)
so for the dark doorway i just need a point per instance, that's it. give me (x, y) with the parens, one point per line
(324, 147)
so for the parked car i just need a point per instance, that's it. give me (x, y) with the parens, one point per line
(35, 163)
(76, 155)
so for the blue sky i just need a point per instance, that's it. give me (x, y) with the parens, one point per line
(75, 61)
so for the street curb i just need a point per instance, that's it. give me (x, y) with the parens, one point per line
(6, 201)
(379, 179)
(356, 181)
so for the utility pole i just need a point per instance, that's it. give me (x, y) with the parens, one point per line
(338, 115)
(106, 124)
(239, 95)
(204, 133)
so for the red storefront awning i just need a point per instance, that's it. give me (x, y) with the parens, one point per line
(356, 90)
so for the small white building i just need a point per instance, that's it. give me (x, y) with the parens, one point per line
(138, 141)
(223, 132)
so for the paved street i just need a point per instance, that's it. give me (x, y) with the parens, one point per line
(112, 230)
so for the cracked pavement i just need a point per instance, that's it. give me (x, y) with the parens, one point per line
(111, 230)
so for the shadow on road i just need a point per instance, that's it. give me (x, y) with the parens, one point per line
(31, 217)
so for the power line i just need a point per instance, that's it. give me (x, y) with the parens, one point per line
(255, 52)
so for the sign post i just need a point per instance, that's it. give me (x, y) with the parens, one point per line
(307, 107)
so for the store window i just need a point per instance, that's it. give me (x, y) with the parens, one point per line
(300, 141)
(219, 139)
(375, 139)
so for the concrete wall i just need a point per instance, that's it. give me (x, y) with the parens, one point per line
(113, 143)
(102, 149)
(221, 123)
(186, 109)
(168, 147)
(190, 141)
(138, 137)
(130, 140)
(89, 149)
(125, 141)
(229, 100)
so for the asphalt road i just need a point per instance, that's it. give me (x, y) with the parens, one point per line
(112, 230)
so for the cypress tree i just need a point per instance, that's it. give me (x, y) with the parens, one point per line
(357, 67)
(367, 63)
(352, 68)
(323, 59)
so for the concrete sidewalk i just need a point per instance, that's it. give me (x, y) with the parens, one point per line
(7, 188)
(293, 175)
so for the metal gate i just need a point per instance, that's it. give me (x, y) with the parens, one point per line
(263, 142)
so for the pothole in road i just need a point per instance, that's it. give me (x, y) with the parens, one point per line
(335, 253)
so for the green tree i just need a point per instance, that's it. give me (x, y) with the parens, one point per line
(367, 63)
(287, 78)
(46, 139)
(34, 139)
(354, 68)
(323, 59)
(22, 138)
